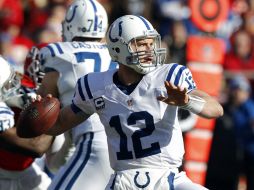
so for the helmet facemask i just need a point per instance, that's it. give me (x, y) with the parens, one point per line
(33, 66)
(11, 86)
(145, 60)
(123, 39)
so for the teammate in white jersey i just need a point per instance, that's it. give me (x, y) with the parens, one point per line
(18, 170)
(65, 62)
(137, 105)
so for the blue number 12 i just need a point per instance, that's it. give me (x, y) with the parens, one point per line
(139, 152)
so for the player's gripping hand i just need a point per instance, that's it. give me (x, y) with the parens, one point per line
(39, 98)
(38, 117)
(176, 95)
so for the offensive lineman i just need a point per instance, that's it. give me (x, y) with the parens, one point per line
(65, 62)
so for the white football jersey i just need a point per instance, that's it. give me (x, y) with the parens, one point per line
(73, 60)
(6, 117)
(141, 131)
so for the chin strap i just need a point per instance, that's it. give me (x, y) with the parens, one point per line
(195, 104)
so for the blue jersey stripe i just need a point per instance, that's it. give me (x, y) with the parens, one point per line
(5, 108)
(88, 153)
(51, 50)
(113, 182)
(171, 71)
(75, 108)
(49, 69)
(171, 180)
(178, 75)
(145, 22)
(95, 15)
(58, 48)
(48, 172)
(74, 161)
(113, 65)
(80, 90)
(87, 87)
(6, 112)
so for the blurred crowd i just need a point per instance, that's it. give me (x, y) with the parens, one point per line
(24, 23)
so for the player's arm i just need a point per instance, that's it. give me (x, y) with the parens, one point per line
(34, 147)
(49, 84)
(196, 101)
(203, 105)
(67, 119)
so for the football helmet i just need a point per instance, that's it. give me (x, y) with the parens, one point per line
(9, 81)
(129, 29)
(33, 72)
(85, 18)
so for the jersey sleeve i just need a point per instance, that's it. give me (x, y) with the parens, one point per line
(181, 76)
(81, 100)
(52, 57)
(6, 118)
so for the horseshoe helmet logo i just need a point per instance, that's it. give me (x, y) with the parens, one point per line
(119, 32)
(72, 16)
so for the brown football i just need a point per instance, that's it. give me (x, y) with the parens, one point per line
(38, 117)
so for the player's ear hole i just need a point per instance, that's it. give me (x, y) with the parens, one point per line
(117, 50)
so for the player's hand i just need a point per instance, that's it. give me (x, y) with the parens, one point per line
(176, 95)
(39, 98)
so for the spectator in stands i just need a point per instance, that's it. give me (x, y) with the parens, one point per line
(176, 41)
(232, 152)
(240, 57)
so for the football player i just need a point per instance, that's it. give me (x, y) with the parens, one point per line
(17, 167)
(33, 70)
(137, 105)
(82, 51)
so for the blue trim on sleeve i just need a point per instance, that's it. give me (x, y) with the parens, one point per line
(7, 112)
(5, 108)
(49, 69)
(171, 71)
(59, 48)
(178, 76)
(80, 90)
(75, 108)
(51, 50)
(87, 87)
(48, 172)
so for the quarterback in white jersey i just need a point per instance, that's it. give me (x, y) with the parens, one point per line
(137, 105)
(141, 122)
(65, 62)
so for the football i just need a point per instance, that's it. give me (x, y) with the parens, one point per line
(38, 117)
